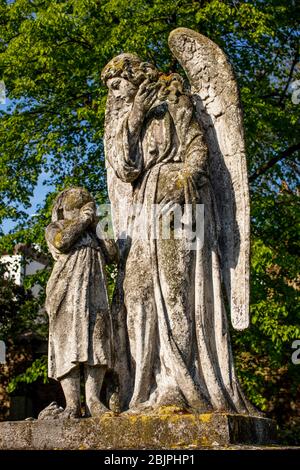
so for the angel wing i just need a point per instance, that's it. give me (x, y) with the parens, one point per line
(216, 99)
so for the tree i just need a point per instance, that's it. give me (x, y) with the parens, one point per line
(16, 316)
(51, 55)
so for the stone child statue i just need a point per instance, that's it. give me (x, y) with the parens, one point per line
(77, 302)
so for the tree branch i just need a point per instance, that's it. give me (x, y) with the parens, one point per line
(266, 166)
(32, 253)
(293, 65)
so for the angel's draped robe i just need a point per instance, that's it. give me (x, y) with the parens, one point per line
(179, 345)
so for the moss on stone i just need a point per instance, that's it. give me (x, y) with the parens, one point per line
(170, 410)
(76, 198)
(57, 240)
(167, 429)
(206, 417)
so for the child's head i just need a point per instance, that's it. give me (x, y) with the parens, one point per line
(68, 203)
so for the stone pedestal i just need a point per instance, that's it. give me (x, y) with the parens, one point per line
(162, 431)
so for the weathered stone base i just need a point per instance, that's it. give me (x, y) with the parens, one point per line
(163, 431)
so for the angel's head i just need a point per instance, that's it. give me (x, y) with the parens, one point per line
(68, 203)
(124, 74)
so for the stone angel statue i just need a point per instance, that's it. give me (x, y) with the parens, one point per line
(167, 145)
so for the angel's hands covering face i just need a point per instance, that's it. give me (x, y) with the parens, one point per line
(144, 99)
(146, 96)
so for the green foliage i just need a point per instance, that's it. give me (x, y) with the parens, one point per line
(19, 309)
(111, 271)
(51, 56)
(37, 370)
(13, 301)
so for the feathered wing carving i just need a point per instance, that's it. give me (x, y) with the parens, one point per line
(216, 99)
